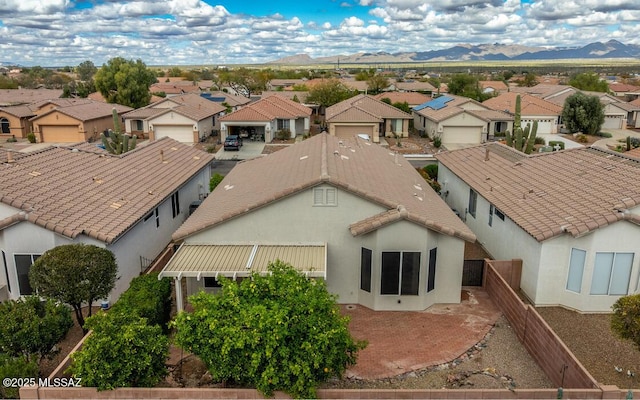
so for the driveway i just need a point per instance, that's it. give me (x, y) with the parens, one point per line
(248, 150)
(616, 136)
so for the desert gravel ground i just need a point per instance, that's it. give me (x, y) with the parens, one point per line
(591, 340)
(499, 361)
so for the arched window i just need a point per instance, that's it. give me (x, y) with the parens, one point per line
(4, 125)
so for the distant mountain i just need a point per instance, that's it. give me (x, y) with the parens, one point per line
(467, 52)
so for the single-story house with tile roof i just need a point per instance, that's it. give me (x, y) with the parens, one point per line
(459, 120)
(129, 204)
(232, 101)
(363, 114)
(345, 210)
(411, 98)
(532, 109)
(14, 121)
(14, 97)
(75, 123)
(262, 119)
(572, 216)
(624, 90)
(411, 86)
(187, 118)
(493, 87)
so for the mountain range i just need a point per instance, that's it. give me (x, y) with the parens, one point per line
(467, 52)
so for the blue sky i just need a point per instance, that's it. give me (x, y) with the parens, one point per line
(221, 32)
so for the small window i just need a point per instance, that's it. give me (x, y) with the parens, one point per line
(576, 269)
(175, 204)
(148, 216)
(491, 209)
(473, 200)
(431, 279)
(325, 196)
(365, 270)
(139, 125)
(283, 124)
(499, 214)
(4, 126)
(157, 217)
(211, 282)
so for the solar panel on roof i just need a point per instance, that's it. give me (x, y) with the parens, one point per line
(435, 104)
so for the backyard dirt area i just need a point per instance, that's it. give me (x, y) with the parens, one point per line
(591, 340)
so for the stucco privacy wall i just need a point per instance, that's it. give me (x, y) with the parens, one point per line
(553, 356)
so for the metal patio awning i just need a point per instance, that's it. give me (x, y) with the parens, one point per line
(241, 260)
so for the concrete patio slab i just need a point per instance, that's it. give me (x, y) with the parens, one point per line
(248, 150)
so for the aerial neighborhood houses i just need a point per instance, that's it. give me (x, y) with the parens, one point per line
(341, 205)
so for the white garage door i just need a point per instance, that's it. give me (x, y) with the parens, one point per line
(461, 134)
(545, 126)
(180, 133)
(349, 131)
(612, 122)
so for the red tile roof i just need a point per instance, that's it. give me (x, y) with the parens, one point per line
(74, 192)
(359, 167)
(549, 194)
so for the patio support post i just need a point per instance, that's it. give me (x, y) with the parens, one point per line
(178, 285)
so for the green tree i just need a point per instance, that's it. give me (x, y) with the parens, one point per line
(467, 85)
(215, 181)
(377, 83)
(281, 331)
(13, 367)
(329, 92)
(589, 81)
(30, 327)
(582, 113)
(175, 72)
(529, 80)
(625, 320)
(75, 274)
(123, 351)
(404, 106)
(86, 70)
(246, 81)
(125, 82)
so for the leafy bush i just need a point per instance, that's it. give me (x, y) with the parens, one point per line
(283, 134)
(635, 142)
(625, 320)
(553, 144)
(539, 140)
(582, 138)
(431, 170)
(15, 367)
(500, 134)
(123, 351)
(603, 134)
(31, 327)
(31, 137)
(12, 139)
(281, 331)
(215, 181)
(432, 182)
(147, 297)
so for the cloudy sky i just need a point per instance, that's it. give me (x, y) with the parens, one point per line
(215, 32)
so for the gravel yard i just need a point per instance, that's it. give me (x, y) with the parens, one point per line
(499, 361)
(591, 340)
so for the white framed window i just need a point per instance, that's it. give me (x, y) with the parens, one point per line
(283, 124)
(400, 273)
(611, 273)
(576, 270)
(325, 196)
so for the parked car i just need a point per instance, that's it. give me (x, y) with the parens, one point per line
(233, 142)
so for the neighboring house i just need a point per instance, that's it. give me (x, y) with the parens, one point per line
(14, 121)
(74, 123)
(363, 114)
(227, 100)
(177, 88)
(411, 86)
(261, 120)
(187, 118)
(348, 211)
(129, 204)
(532, 109)
(626, 91)
(14, 97)
(493, 87)
(411, 98)
(459, 120)
(284, 84)
(633, 118)
(572, 216)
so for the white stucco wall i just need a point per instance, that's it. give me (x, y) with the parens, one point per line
(546, 123)
(546, 264)
(295, 220)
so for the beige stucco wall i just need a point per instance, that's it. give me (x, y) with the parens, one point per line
(295, 220)
(19, 127)
(86, 129)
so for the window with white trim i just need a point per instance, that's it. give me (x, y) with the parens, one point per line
(283, 124)
(611, 273)
(576, 270)
(325, 196)
(400, 273)
(23, 265)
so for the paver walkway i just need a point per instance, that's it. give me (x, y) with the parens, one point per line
(401, 342)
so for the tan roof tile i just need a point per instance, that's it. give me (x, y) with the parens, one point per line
(268, 109)
(548, 194)
(87, 111)
(361, 168)
(369, 105)
(412, 98)
(71, 191)
(530, 105)
(10, 97)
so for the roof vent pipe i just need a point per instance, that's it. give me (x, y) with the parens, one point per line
(10, 159)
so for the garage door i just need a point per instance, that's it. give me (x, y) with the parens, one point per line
(349, 131)
(61, 134)
(180, 133)
(461, 134)
(612, 122)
